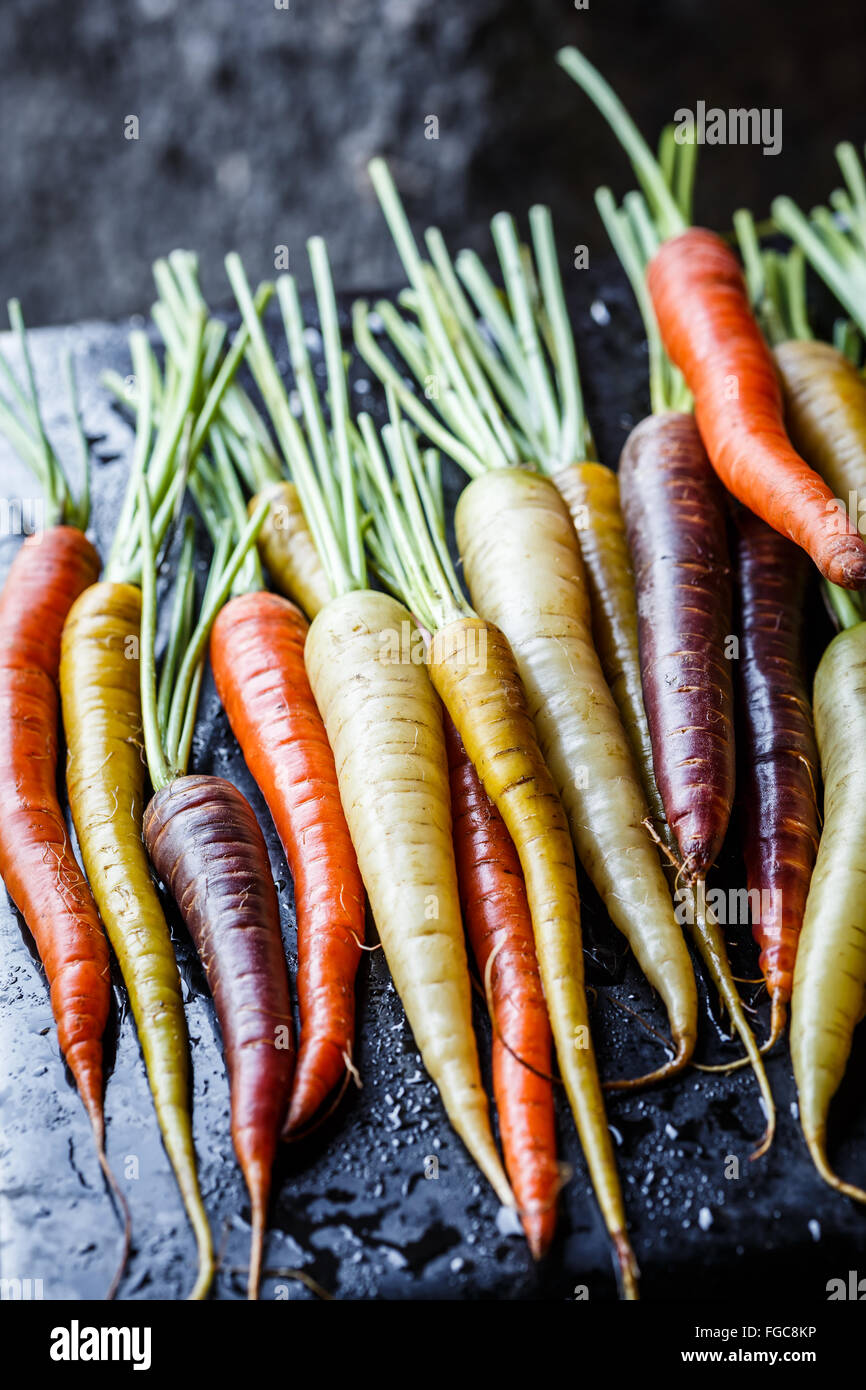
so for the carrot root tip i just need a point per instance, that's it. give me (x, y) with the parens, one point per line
(627, 1266)
(684, 1049)
(778, 1019)
(818, 1149)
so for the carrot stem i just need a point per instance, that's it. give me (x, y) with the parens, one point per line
(224, 569)
(168, 740)
(181, 622)
(160, 771)
(848, 285)
(334, 558)
(843, 604)
(514, 399)
(665, 207)
(30, 440)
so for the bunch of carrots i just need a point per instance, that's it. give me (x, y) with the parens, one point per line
(582, 707)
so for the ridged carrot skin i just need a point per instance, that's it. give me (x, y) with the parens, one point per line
(498, 924)
(830, 972)
(36, 859)
(594, 503)
(257, 655)
(710, 333)
(780, 759)
(206, 846)
(675, 519)
(287, 547)
(101, 703)
(384, 723)
(825, 410)
(525, 573)
(474, 670)
(591, 493)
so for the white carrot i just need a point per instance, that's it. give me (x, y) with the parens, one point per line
(384, 723)
(830, 973)
(520, 403)
(474, 671)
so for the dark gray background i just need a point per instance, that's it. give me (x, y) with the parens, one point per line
(256, 125)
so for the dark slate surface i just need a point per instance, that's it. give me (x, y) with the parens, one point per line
(353, 1208)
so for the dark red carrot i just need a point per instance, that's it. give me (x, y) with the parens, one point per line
(499, 926)
(676, 521)
(206, 846)
(780, 759)
(677, 532)
(257, 655)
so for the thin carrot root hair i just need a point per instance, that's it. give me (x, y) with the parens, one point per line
(488, 996)
(778, 1019)
(360, 944)
(633, 1013)
(665, 849)
(351, 1069)
(683, 873)
(673, 1067)
(687, 875)
(682, 1051)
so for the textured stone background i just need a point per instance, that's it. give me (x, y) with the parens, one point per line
(256, 123)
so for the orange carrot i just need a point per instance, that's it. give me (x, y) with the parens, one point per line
(37, 864)
(710, 333)
(36, 860)
(499, 925)
(257, 654)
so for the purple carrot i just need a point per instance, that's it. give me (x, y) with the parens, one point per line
(676, 522)
(206, 846)
(779, 756)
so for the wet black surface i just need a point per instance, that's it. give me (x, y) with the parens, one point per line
(354, 1208)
